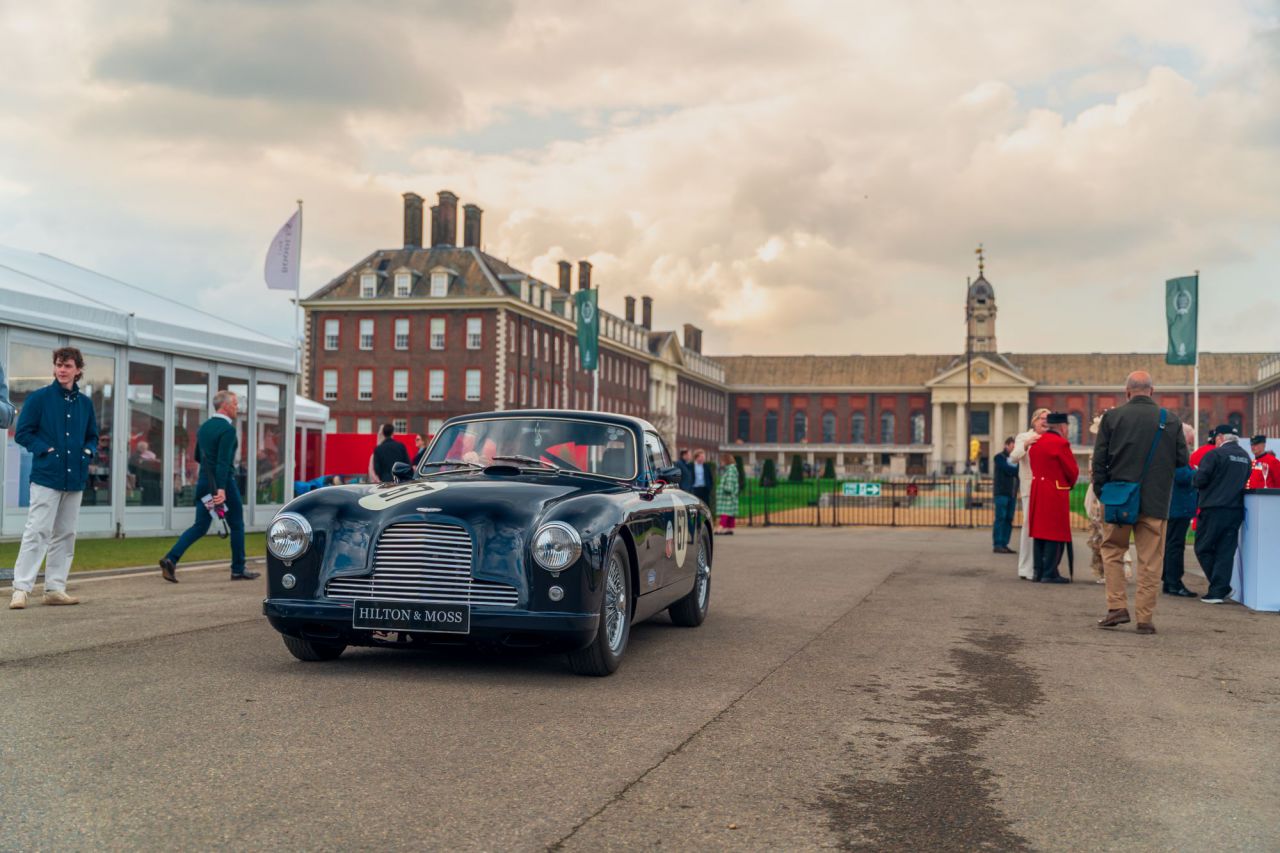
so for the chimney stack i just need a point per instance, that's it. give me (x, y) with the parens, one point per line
(412, 221)
(445, 220)
(566, 276)
(631, 309)
(646, 312)
(584, 275)
(692, 337)
(471, 225)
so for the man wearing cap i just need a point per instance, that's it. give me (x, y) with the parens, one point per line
(1137, 443)
(1221, 480)
(1266, 468)
(1054, 472)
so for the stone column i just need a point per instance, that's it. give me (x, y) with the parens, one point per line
(997, 440)
(962, 447)
(840, 464)
(1023, 414)
(936, 435)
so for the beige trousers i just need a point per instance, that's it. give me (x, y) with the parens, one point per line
(51, 529)
(1148, 536)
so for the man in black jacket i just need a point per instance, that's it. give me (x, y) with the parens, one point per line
(1120, 452)
(1005, 492)
(1221, 479)
(216, 443)
(387, 454)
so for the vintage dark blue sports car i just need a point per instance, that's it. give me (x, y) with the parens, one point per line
(549, 528)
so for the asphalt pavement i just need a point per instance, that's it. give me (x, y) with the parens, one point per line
(859, 688)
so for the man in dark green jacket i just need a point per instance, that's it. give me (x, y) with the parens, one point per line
(1126, 437)
(216, 443)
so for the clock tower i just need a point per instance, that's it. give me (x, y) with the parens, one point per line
(980, 309)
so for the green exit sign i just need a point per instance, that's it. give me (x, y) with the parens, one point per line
(861, 490)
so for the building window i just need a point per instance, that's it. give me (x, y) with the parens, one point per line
(366, 334)
(437, 333)
(744, 425)
(402, 284)
(433, 426)
(368, 286)
(400, 385)
(331, 334)
(1236, 420)
(771, 426)
(364, 385)
(887, 427)
(828, 427)
(439, 284)
(799, 425)
(524, 342)
(402, 334)
(858, 428)
(917, 427)
(435, 385)
(331, 385)
(475, 329)
(331, 425)
(400, 425)
(473, 384)
(364, 425)
(1074, 420)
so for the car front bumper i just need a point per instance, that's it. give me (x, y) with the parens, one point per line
(331, 621)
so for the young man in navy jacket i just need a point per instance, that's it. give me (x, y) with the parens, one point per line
(60, 430)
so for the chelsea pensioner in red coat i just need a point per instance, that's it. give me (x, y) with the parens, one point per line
(1053, 473)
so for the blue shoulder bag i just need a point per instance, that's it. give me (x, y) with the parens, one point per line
(1121, 500)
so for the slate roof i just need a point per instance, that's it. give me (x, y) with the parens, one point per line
(1092, 369)
(470, 265)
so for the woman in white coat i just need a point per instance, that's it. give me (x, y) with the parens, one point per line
(1021, 443)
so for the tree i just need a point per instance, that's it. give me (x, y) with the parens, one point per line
(742, 473)
(797, 470)
(769, 474)
(829, 470)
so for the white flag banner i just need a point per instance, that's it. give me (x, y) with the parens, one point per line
(281, 269)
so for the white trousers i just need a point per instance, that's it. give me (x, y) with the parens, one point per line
(51, 530)
(1026, 563)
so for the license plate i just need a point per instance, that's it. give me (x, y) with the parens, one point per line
(372, 615)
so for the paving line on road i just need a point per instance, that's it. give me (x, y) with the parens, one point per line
(621, 794)
(75, 579)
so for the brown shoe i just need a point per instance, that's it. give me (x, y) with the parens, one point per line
(1114, 618)
(59, 598)
(168, 570)
(1145, 628)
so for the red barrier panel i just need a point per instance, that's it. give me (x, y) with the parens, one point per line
(348, 453)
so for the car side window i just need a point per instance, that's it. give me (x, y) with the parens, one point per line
(656, 453)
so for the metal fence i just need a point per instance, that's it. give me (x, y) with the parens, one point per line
(884, 501)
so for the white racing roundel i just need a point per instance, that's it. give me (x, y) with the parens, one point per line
(385, 499)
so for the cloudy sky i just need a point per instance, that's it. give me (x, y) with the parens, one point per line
(797, 177)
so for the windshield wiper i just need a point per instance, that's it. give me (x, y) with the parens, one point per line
(529, 460)
(449, 462)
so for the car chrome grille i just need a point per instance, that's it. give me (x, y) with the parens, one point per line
(419, 561)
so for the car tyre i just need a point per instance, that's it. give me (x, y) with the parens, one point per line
(690, 611)
(604, 654)
(310, 650)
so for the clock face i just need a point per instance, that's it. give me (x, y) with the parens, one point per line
(980, 373)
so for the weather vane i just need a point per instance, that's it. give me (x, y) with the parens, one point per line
(978, 252)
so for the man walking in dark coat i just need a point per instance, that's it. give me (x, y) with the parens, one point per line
(1221, 479)
(387, 454)
(1125, 439)
(216, 443)
(686, 470)
(1005, 492)
(60, 429)
(1182, 508)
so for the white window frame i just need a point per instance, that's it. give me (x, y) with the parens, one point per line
(439, 284)
(332, 334)
(400, 425)
(330, 390)
(364, 390)
(400, 385)
(404, 283)
(366, 334)
(368, 285)
(443, 333)
(364, 425)
(475, 332)
(401, 339)
(473, 386)
(435, 385)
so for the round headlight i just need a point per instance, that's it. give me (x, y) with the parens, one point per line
(289, 536)
(556, 546)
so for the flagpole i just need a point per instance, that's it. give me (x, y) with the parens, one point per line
(297, 295)
(1195, 370)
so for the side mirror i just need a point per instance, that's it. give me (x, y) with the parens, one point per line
(671, 474)
(401, 471)
(654, 489)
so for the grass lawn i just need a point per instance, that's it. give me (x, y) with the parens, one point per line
(126, 553)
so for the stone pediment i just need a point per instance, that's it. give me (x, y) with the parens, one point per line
(986, 373)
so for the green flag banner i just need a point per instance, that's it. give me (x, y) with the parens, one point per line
(1182, 308)
(588, 329)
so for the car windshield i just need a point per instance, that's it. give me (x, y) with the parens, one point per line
(566, 444)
